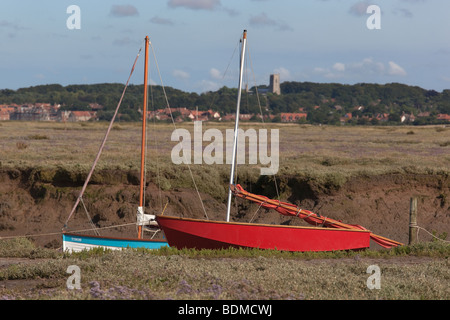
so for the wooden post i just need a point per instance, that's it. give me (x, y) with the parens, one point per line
(413, 221)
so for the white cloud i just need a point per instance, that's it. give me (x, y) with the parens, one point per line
(123, 11)
(366, 66)
(207, 85)
(180, 74)
(363, 68)
(338, 66)
(263, 20)
(210, 5)
(319, 70)
(215, 74)
(395, 69)
(162, 21)
(359, 8)
(284, 73)
(195, 4)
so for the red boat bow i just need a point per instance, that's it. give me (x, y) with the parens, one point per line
(289, 209)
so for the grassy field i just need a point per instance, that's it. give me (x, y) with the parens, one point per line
(407, 273)
(329, 154)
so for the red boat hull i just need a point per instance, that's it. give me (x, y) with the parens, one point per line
(204, 234)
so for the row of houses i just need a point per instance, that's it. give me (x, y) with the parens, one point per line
(183, 113)
(43, 112)
(195, 115)
(49, 112)
(404, 118)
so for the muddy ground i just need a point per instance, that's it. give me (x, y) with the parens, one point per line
(31, 205)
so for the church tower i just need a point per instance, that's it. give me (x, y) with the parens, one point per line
(274, 85)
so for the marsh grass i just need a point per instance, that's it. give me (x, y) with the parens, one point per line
(22, 247)
(329, 155)
(413, 272)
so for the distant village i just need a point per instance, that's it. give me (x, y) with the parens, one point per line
(54, 112)
(48, 112)
(45, 112)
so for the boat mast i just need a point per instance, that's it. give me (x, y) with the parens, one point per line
(144, 121)
(236, 125)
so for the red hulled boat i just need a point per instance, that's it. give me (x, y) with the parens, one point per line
(205, 234)
(325, 234)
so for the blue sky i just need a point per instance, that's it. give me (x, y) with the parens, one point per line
(194, 41)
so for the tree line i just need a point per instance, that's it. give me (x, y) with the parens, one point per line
(323, 102)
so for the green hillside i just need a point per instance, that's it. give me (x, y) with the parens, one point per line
(323, 102)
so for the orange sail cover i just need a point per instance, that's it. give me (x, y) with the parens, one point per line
(289, 209)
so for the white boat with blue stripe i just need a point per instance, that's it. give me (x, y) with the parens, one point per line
(75, 242)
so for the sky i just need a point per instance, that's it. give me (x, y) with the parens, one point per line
(195, 42)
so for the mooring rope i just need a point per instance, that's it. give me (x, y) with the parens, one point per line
(134, 223)
(61, 232)
(420, 228)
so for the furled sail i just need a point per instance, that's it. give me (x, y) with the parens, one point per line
(289, 209)
(145, 219)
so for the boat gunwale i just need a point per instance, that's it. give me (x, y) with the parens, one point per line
(258, 224)
(113, 238)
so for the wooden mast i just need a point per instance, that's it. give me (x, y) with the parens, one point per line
(144, 121)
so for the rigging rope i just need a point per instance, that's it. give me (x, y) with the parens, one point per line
(61, 232)
(158, 179)
(103, 143)
(89, 218)
(174, 125)
(134, 224)
(260, 111)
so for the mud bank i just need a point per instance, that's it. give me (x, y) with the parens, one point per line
(38, 203)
